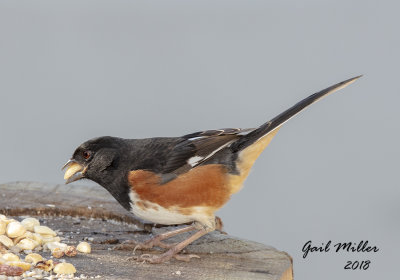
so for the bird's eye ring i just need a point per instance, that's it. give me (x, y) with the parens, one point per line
(86, 155)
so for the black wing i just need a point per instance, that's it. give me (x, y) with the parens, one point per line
(196, 148)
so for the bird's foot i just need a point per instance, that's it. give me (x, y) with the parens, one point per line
(134, 245)
(172, 252)
(161, 258)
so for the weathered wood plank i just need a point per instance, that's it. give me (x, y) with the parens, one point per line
(96, 213)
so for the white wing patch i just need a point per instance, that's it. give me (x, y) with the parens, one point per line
(199, 159)
(195, 138)
(194, 160)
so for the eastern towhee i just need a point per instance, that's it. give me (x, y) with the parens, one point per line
(177, 180)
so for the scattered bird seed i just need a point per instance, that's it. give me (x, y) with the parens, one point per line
(29, 236)
(84, 247)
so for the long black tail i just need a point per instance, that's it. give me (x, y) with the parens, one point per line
(280, 119)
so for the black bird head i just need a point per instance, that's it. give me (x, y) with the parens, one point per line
(95, 159)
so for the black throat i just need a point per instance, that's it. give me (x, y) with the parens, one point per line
(121, 194)
(119, 189)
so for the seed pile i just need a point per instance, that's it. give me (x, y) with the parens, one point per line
(20, 244)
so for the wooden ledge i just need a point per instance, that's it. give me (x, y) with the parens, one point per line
(81, 212)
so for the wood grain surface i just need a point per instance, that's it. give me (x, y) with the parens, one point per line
(82, 212)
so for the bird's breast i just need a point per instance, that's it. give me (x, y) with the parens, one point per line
(193, 195)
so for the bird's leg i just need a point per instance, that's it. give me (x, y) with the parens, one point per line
(155, 241)
(173, 252)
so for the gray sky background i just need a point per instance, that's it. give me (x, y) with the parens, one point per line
(73, 70)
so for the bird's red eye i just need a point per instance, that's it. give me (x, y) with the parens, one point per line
(86, 155)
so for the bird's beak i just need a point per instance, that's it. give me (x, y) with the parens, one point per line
(74, 172)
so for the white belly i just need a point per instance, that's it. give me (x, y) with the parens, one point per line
(172, 216)
(157, 214)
